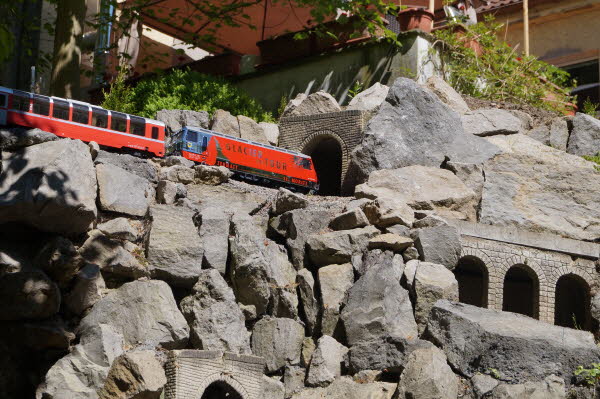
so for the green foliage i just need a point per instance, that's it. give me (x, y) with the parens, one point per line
(591, 375)
(356, 88)
(595, 158)
(6, 43)
(120, 96)
(499, 72)
(184, 89)
(283, 102)
(494, 373)
(590, 108)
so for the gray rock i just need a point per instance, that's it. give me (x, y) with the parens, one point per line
(413, 127)
(540, 133)
(518, 347)
(174, 247)
(490, 122)
(524, 117)
(237, 200)
(427, 375)
(345, 388)
(166, 192)
(51, 186)
(272, 388)
(214, 175)
(439, 245)
(177, 174)
(370, 99)
(390, 241)
(483, 384)
(349, 220)
(378, 314)
(552, 387)
(326, 363)
(278, 341)
(136, 165)
(216, 321)
(447, 94)
(143, 313)
(335, 281)
(261, 273)
(173, 160)
(250, 130)
(288, 201)
(28, 295)
(214, 238)
(224, 122)
(399, 229)
(585, 136)
(356, 204)
(430, 221)
(422, 188)
(411, 253)
(386, 211)
(271, 132)
(94, 149)
(113, 258)
(88, 289)
(249, 311)
(375, 257)
(81, 372)
(293, 380)
(123, 192)
(559, 134)
(339, 246)
(316, 103)
(12, 138)
(309, 307)
(308, 348)
(60, 260)
(175, 119)
(410, 269)
(119, 228)
(431, 283)
(470, 174)
(529, 179)
(135, 374)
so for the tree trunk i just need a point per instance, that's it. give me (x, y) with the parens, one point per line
(70, 15)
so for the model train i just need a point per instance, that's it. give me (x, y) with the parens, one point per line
(78, 120)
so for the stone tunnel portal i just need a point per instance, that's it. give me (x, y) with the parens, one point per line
(572, 306)
(326, 153)
(521, 291)
(472, 277)
(220, 390)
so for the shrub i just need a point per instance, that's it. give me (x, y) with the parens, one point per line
(590, 108)
(183, 89)
(591, 375)
(499, 72)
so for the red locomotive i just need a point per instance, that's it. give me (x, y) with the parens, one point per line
(78, 120)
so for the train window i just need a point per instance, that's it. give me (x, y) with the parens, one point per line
(192, 136)
(204, 143)
(2, 100)
(61, 110)
(41, 105)
(137, 125)
(119, 122)
(20, 102)
(81, 113)
(100, 117)
(154, 132)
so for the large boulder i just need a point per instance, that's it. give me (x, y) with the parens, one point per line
(214, 238)
(559, 133)
(132, 164)
(123, 192)
(552, 387)
(28, 295)
(315, 103)
(529, 179)
(175, 119)
(250, 130)
(427, 375)
(270, 131)
(518, 347)
(370, 99)
(309, 307)
(334, 281)
(143, 313)
(490, 121)
(585, 136)
(378, 319)
(326, 363)
(224, 122)
(261, 273)
(216, 321)
(439, 244)
(422, 187)
(174, 247)
(339, 246)
(345, 388)
(413, 127)
(447, 94)
(288, 201)
(12, 138)
(278, 341)
(214, 196)
(51, 186)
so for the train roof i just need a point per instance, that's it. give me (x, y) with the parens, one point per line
(256, 143)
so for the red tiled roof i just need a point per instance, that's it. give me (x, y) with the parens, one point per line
(490, 5)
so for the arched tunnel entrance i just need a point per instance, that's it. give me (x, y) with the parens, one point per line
(472, 277)
(220, 390)
(572, 303)
(521, 291)
(327, 156)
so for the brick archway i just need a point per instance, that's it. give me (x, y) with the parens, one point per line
(330, 157)
(227, 379)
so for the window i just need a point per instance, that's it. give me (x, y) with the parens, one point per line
(61, 109)
(41, 105)
(587, 75)
(81, 113)
(204, 143)
(192, 136)
(119, 122)
(20, 102)
(99, 117)
(2, 100)
(137, 125)
(154, 132)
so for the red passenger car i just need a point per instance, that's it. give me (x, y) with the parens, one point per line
(78, 120)
(247, 159)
